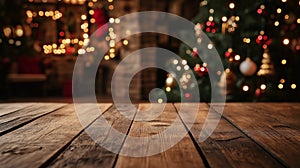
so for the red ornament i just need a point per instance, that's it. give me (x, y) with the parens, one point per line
(195, 53)
(263, 40)
(101, 19)
(211, 27)
(201, 71)
(258, 92)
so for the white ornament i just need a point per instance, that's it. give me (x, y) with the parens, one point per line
(248, 67)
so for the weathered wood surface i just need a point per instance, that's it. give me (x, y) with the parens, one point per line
(182, 154)
(13, 120)
(12, 107)
(228, 146)
(274, 126)
(50, 134)
(35, 143)
(85, 152)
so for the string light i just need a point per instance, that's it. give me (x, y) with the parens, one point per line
(160, 100)
(293, 86)
(283, 62)
(280, 86)
(246, 88)
(231, 5)
(286, 41)
(263, 86)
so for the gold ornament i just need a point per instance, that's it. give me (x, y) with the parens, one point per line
(267, 67)
(227, 82)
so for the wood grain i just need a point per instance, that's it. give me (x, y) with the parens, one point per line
(86, 152)
(227, 146)
(13, 120)
(35, 143)
(274, 126)
(183, 154)
(8, 108)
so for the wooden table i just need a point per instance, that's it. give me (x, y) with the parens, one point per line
(248, 135)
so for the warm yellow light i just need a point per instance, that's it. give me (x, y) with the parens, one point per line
(237, 18)
(111, 7)
(224, 18)
(283, 62)
(211, 11)
(41, 13)
(160, 100)
(184, 62)
(85, 35)
(279, 10)
(282, 81)
(237, 57)
(110, 1)
(169, 80)
(175, 62)
(210, 46)
(19, 31)
(93, 20)
(7, 31)
(125, 42)
(286, 17)
(284, 0)
(111, 20)
(246, 88)
(90, 4)
(276, 23)
(263, 86)
(293, 86)
(117, 20)
(106, 57)
(91, 12)
(231, 5)
(286, 41)
(112, 55)
(280, 86)
(298, 20)
(168, 89)
(83, 17)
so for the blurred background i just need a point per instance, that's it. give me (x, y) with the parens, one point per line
(257, 40)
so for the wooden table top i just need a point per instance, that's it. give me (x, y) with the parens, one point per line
(248, 135)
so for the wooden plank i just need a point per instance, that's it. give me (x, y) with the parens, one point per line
(86, 152)
(182, 154)
(14, 120)
(274, 126)
(37, 142)
(6, 108)
(227, 146)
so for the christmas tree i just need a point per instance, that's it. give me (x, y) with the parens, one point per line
(259, 44)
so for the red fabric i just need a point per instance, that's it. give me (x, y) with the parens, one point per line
(29, 65)
(101, 21)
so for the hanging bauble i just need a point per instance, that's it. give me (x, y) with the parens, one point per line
(248, 67)
(227, 82)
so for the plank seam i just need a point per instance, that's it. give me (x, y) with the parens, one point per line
(127, 133)
(27, 122)
(278, 159)
(64, 147)
(198, 148)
